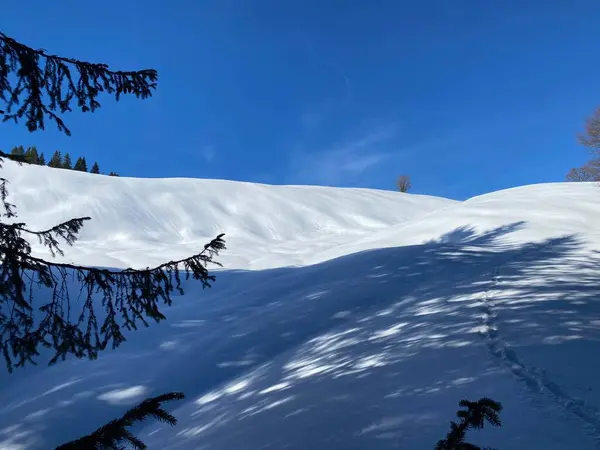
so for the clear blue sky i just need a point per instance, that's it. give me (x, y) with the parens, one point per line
(465, 96)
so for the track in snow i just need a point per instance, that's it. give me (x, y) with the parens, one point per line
(534, 378)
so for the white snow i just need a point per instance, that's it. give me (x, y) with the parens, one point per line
(138, 222)
(342, 318)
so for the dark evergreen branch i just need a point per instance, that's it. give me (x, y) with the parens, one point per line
(9, 208)
(115, 433)
(474, 417)
(211, 249)
(127, 298)
(50, 89)
(67, 231)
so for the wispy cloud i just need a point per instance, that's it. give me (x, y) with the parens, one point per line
(343, 163)
(208, 152)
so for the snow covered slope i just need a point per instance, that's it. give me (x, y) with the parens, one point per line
(138, 222)
(403, 306)
(534, 213)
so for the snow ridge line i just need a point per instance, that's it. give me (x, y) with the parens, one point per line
(533, 377)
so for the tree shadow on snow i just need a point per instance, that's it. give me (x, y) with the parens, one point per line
(377, 345)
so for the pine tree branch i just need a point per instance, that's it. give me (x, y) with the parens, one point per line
(128, 297)
(41, 52)
(485, 409)
(9, 208)
(112, 435)
(212, 248)
(21, 226)
(67, 231)
(51, 87)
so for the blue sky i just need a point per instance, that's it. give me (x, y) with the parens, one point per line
(466, 96)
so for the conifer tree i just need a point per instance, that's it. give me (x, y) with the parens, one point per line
(18, 151)
(113, 174)
(477, 413)
(32, 155)
(67, 164)
(56, 160)
(95, 168)
(42, 159)
(36, 86)
(81, 164)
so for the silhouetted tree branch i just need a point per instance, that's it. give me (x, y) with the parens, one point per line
(45, 84)
(128, 297)
(115, 433)
(474, 417)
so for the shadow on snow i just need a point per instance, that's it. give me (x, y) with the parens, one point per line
(370, 350)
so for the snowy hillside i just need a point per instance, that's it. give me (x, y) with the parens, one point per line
(138, 222)
(366, 317)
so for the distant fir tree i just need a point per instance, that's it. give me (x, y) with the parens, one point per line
(56, 160)
(113, 174)
(18, 151)
(81, 164)
(31, 156)
(35, 85)
(95, 168)
(477, 413)
(42, 159)
(67, 163)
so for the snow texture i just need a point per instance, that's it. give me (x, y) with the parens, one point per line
(342, 318)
